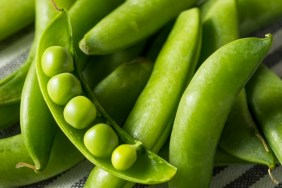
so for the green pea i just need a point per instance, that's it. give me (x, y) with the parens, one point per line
(55, 60)
(80, 112)
(63, 87)
(124, 156)
(101, 140)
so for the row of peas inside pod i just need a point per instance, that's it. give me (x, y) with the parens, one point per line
(65, 89)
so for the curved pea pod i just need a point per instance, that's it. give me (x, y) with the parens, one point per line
(147, 162)
(241, 138)
(15, 15)
(127, 80)
(219, 27)
(205, 105)
(38, 127)
(151, 118)
(255, 14)
(129, 23)
(264, 91)
(39, 138)
(10, 176)
(98, 67)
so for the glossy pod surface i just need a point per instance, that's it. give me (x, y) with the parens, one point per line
(130, 23)
(207, 96)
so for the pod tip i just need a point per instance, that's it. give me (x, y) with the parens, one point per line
(84, 47)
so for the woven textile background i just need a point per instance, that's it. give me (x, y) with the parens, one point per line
(14, 51)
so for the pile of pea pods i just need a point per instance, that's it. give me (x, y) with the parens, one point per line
(149, 91)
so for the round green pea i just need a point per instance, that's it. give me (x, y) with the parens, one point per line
(80, 112)
(101, 140)
(124, 156)
(63, 87)
(55, 60)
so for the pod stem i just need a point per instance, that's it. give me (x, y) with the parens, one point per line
(137, 145)
(56, 6)
(263, 141)
(272, 177)
(22, 164)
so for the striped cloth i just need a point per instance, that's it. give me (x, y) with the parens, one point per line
(14, 51)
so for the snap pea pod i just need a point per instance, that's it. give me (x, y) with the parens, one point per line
(147, 162)
(205, 105)
(241, 138)
(219, 29)
(13, 150)
(255, 14)
(155, 108)
(38, 135)
(15, 15)
(264, 91)
(151, 118)
(43, 135)
(128, 81)
(98, 67)
(131, 22)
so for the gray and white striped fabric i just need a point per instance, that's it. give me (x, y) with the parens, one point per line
(14, 51)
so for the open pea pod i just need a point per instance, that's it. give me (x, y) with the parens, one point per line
(148, 168)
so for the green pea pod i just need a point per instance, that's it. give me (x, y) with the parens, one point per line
(130, 23)
(15, 15)
(205, 105)
(219, 27)
(147, 162)
(13, 150)
(43, 135)
(98, 67)
(255, 14)
(264, 91)
(151, 118)
(241, 138)
(38, 135)
(127, 82)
